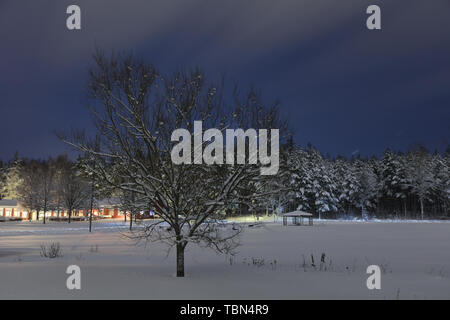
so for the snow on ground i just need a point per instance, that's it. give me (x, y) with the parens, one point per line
(274, 262)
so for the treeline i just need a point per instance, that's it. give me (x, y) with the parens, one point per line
(414, 185)
(45, 185)
(398, 185)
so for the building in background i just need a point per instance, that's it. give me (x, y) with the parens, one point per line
(12, 210)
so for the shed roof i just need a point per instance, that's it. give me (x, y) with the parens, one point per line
(297, 214)
(108, 202)
(8, 203)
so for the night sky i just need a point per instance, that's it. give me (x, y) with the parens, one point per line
(344, 88)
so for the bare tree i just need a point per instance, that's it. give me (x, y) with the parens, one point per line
(28, 189)
(75, 191)
(46, 186)
(136, 111)
(90, 179)
(131, 205)
(61, 165)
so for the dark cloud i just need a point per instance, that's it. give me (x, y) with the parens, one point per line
(342, 87)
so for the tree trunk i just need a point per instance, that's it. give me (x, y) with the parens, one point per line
(90, 220)
(70, 214)
(180, 260)
(421, 208)
(404, 207)
(131, 220)
(92, 202)
(91, 208)
(45, 210)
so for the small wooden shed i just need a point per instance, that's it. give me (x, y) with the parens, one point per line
(297, 218)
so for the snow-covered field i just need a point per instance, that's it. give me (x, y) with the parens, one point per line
(274, 262)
